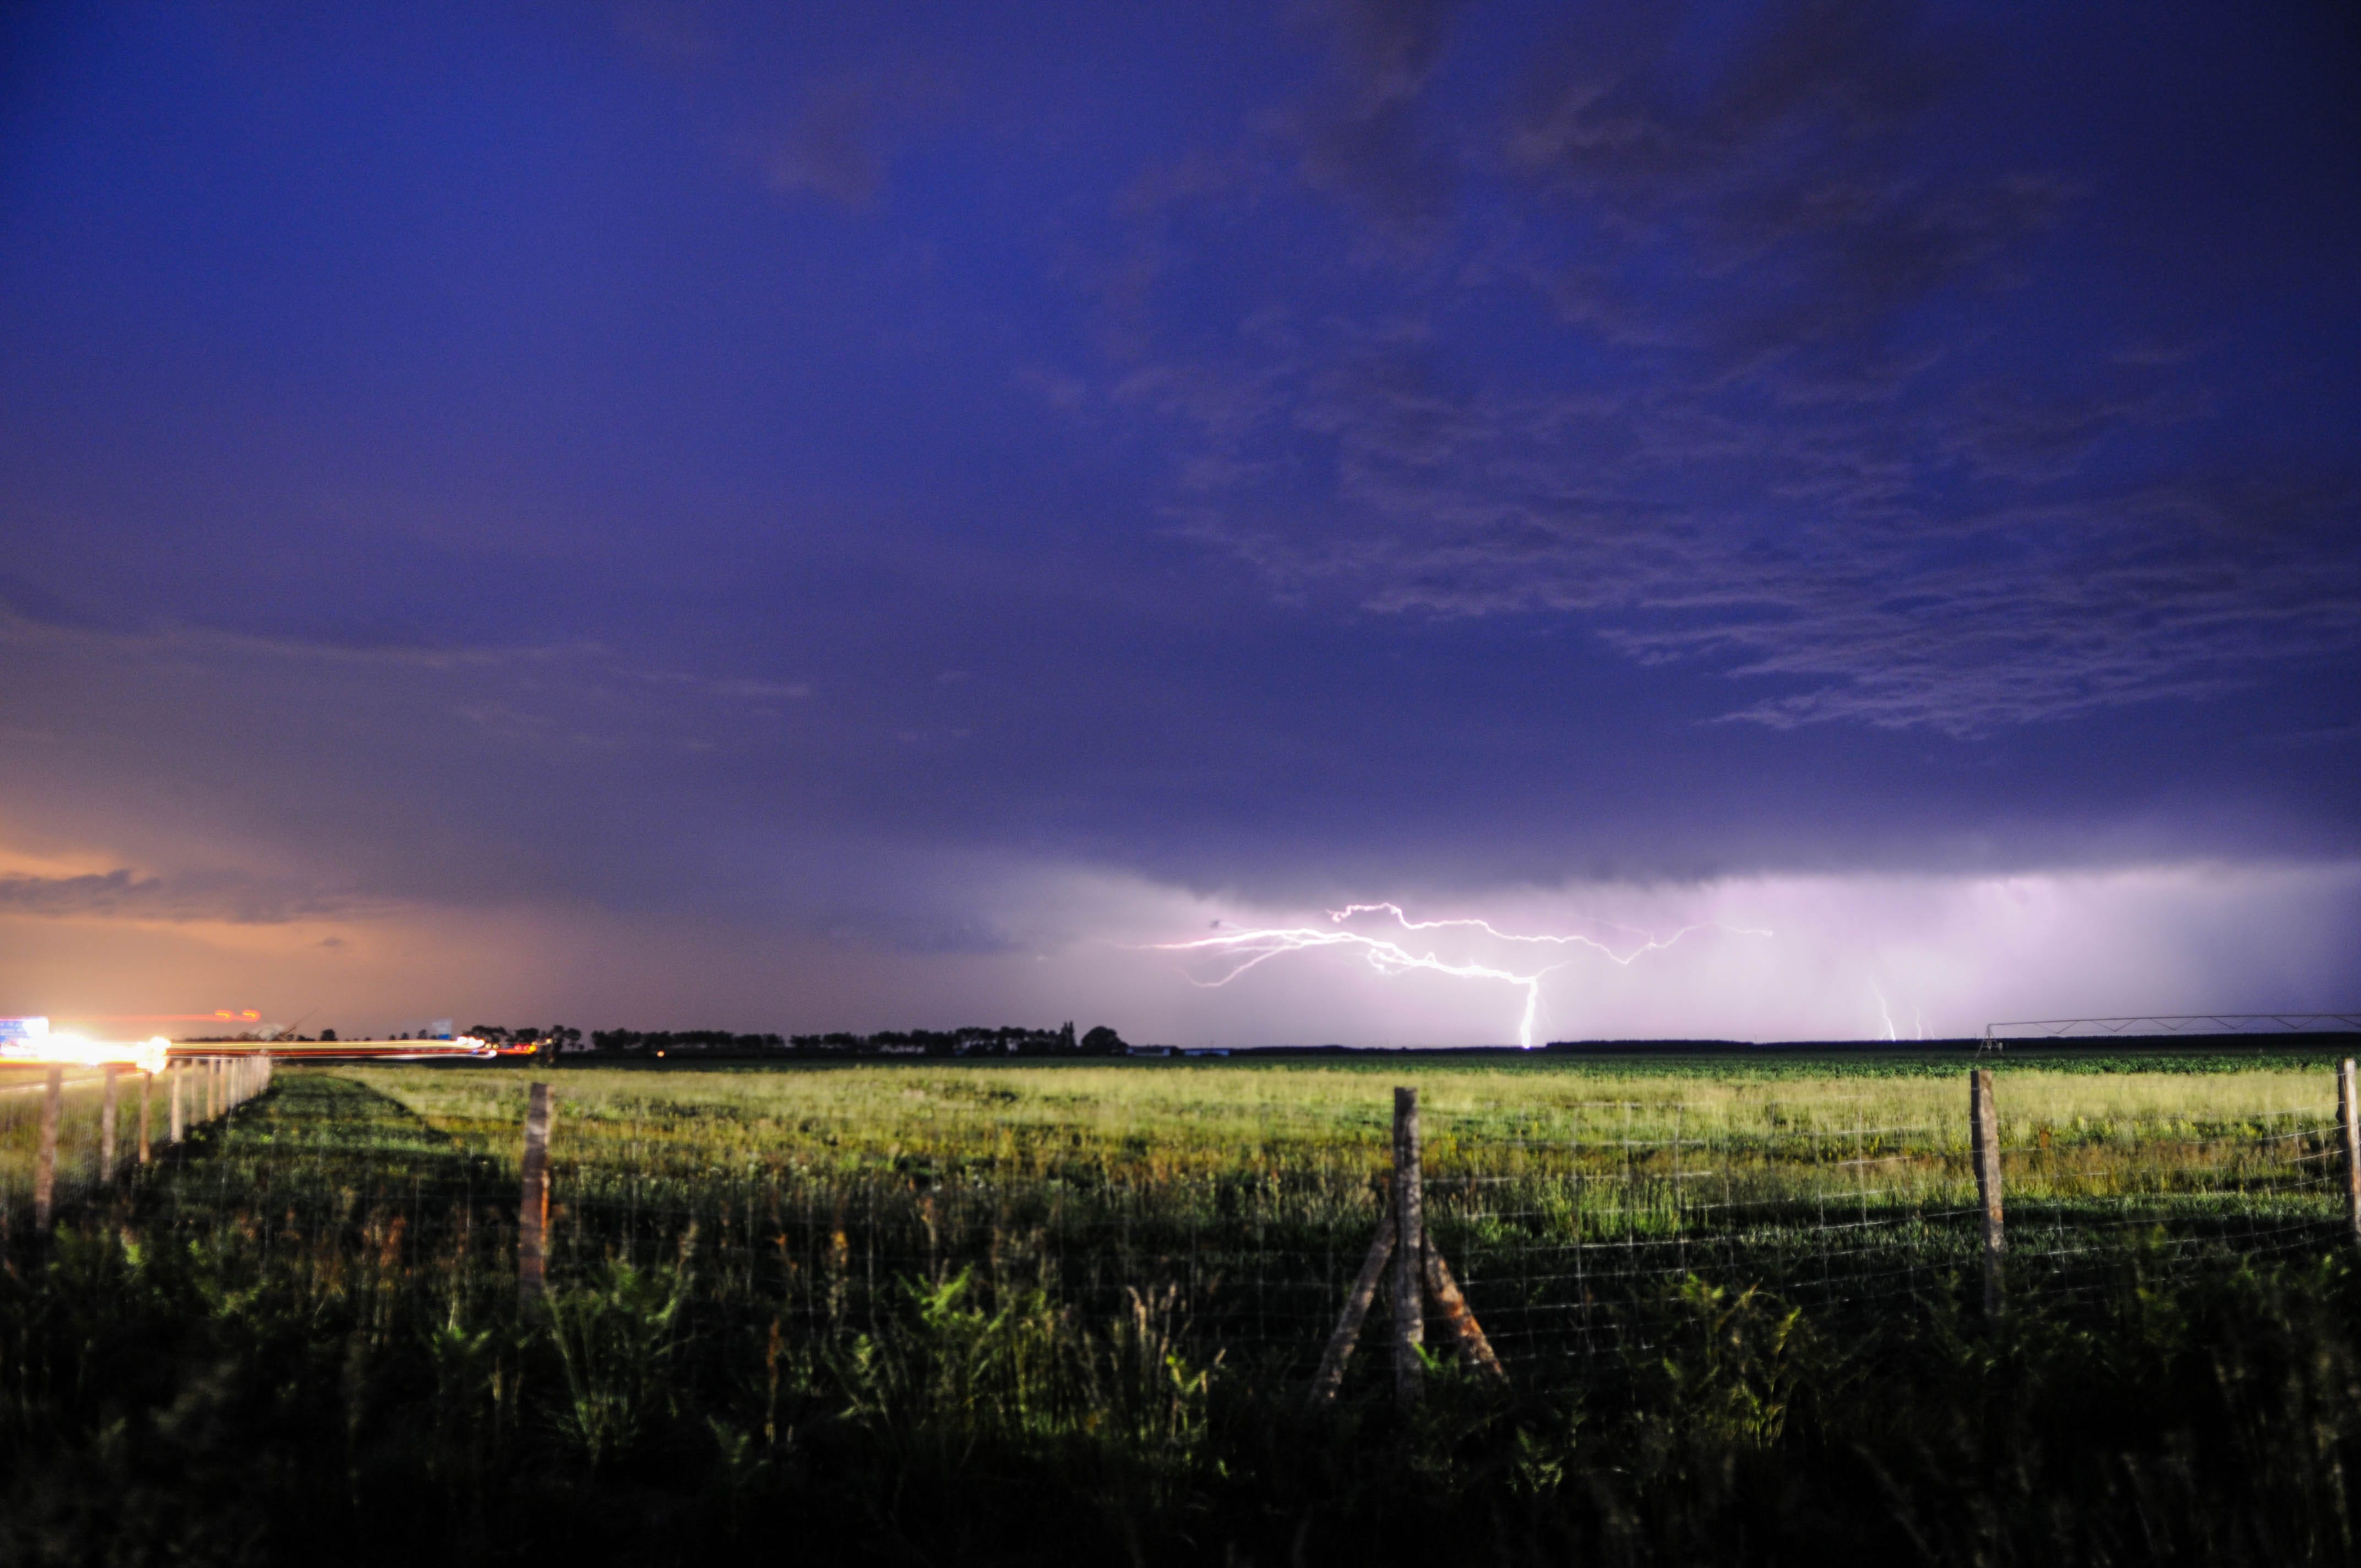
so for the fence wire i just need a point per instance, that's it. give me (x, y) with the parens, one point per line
(1568, 1249)
(91, 1151)
(1573, 1239)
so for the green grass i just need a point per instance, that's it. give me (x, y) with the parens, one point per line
(1289, 1156)
(1008, 1312)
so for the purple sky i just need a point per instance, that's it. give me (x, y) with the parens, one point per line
(829, 516)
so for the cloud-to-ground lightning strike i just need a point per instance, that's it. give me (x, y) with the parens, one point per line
(1255, 947)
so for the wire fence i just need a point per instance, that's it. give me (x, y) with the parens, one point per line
(68, 1133)
(1573, 1235)
(1569, 1250)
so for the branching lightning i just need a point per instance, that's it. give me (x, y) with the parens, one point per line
(1255, 947)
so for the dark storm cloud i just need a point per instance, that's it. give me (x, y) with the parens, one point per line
(1816, 462)
(1363, 135)
(1942, 574)
(1330, 443)
(1787, 186)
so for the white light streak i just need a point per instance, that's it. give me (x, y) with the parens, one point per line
(72, 1051)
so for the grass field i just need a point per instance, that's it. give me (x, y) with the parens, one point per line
(1567, 1193)
(999, 1311)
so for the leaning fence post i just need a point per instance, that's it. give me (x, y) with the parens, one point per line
(1410, 1251)
(2348, 1122)
(1331, 1376)
(106, 1124)
(532, 1212)
(1983, 1137)
(147, 1083)
(1458, 1321)
(45, 1160)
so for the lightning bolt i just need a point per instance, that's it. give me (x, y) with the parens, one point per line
(1650, 945)
(1256, 947)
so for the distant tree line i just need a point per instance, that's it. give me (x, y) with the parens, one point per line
(975, 1040)
(688, 1042)
(1009, 1040)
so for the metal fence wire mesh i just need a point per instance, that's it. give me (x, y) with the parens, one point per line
(1572, 1232)
(88, 1149)
(1567, 1248)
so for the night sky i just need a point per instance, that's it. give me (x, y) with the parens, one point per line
(853, 517)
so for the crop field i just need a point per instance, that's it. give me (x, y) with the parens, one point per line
(1002, 1311)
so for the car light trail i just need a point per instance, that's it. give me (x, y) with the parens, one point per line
(51, 1049)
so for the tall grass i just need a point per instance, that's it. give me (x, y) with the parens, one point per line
(1563, 1191)
(950, 1314)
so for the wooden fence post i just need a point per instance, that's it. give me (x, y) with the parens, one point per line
(1458, 1319)
(147, 1083)
(532, 1212)
(2348, 1122)
(1983, 1137)
(180, 1127)
(1410, 1251)
(44, 1158)
(1331, 1376)
(1420, 1277)
(106, 1124)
